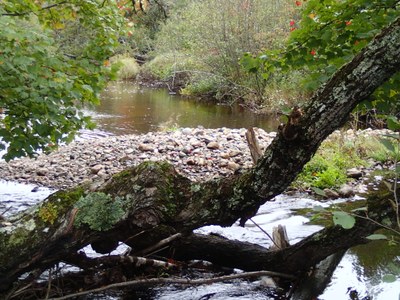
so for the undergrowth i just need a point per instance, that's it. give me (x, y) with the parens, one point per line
(340, 152)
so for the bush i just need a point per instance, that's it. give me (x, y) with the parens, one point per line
(215, 34)
(161, 66)
(128, 67)
(340, 152)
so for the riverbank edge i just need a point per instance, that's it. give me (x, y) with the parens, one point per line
(198, 153)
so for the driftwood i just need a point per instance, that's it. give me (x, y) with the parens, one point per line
(155, 202)
(254, 147)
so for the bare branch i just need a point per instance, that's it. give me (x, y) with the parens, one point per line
(157, 281)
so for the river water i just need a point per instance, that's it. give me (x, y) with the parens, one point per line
(125, 109)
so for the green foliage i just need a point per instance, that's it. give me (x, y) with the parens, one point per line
(377, 236)
(327, 169)
(169, 65)
(144, 19)
(43, 84)
(128, 68)
(325, 34)
(389, 278)
(343, 219)
(374, 148)
(48, 213)
(215, 34)
(201, 85)
(329, 33)
(99, 211)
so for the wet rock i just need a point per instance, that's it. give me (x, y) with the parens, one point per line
(346, 191)
(354, 173)
(331, 194)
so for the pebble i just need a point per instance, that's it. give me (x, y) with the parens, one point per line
(197, 153)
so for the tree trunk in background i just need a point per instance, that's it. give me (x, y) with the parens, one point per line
(158, 202)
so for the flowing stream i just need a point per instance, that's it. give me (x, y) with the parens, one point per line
(127, 109)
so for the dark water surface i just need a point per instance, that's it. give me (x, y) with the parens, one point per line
(126, 108)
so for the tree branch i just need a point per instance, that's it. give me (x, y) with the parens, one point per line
(28, 12)
(157, 281)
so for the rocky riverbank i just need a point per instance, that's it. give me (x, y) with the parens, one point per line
(196, 152)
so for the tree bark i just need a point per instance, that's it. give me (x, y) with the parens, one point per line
(158, 202)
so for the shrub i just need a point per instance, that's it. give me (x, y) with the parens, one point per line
(128, 67)
(215, 34)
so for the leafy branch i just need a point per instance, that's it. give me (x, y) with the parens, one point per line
(20, 14)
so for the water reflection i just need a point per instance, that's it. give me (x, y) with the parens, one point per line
(126, 108)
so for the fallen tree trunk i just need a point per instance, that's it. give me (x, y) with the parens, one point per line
(145, 204)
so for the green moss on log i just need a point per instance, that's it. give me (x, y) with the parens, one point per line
(99, 211)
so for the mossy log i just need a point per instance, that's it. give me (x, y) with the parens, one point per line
(150, 202)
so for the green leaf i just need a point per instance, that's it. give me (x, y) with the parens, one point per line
(343, 219)
(389, 278)
(250, 63)
(393, 123)
(319, 208)
(319, 191)
(374, 237)
(388, 144)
